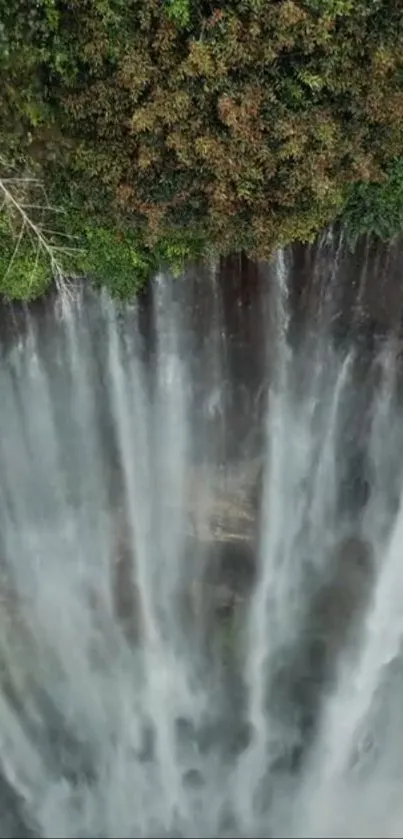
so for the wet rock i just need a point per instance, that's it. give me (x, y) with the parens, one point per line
(332, 626)
(339, 607)
(193, 778)
(13, 824)
(226, 511)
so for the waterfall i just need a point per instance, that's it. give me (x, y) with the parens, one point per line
(201, 518)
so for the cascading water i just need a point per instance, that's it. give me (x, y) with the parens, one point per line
(186, 650)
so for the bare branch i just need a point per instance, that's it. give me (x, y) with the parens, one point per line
(62, 249)
(35, 230)
(58, 233)
(19, 180)
(47, 208)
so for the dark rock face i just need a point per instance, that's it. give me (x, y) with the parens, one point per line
(360, 290)
(338, 607)
(12, 822)
(331, 628)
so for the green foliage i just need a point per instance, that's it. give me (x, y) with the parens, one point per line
(122, 260)
(376, 208)
(115, 260)
(190, 125)
(178, 248)
(331, 7)
(179, 12)
(25, 272)
(343, 8)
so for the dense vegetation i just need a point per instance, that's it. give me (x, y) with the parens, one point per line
(165, 129)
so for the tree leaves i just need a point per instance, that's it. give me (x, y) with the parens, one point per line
(241, 123)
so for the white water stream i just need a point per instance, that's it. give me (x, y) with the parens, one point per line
(122, 713)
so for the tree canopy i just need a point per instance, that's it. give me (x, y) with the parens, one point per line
(168, 128)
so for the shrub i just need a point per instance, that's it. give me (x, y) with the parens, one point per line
(187, 125)
(376, 208)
